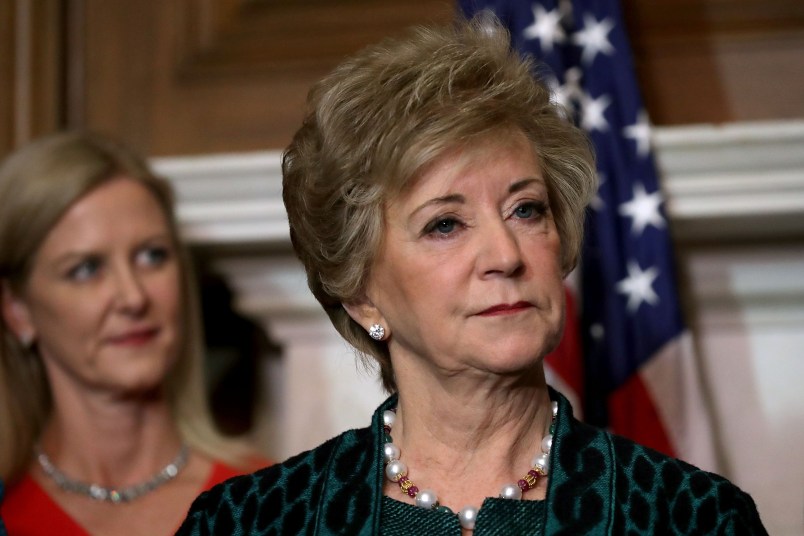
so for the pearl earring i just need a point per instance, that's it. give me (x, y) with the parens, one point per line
(376, 332)
(26, 340)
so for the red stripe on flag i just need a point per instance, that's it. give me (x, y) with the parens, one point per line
(632, 413)
(567, 359)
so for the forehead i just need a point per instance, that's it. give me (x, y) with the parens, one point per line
(503, 156)
(117, 209)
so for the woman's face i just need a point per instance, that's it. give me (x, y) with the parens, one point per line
(103, 297)
(469, 277)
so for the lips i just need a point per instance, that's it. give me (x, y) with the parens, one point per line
(134, 337)
(506, 308)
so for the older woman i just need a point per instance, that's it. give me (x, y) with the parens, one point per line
(103, 426)
(436, 200)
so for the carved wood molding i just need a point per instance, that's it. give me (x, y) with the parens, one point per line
(694, 22)
(714, 60)
(7, 74)
(31, 70)
(247, 37)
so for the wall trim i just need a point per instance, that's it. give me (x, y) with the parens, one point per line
(731, 181)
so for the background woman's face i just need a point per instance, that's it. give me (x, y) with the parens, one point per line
(469, 277)
(103, 297)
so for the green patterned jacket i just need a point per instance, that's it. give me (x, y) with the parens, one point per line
(599, 484)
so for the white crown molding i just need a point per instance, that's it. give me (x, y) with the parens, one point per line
(228, 199)
(726, 182)
(733, 181)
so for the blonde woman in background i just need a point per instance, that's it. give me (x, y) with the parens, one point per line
(104, 427)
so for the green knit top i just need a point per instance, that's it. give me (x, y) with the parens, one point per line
(496, 517)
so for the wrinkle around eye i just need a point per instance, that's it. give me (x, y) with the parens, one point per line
(435, 229)
(84, 270)
(536, 210)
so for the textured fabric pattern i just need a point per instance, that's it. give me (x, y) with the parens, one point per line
(606, 484)
(287, 498)
(598, 484)
(2, 525)
(496, 517)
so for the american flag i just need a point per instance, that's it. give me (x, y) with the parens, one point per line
(638, 375)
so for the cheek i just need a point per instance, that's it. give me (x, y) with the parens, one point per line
(546, 253)
(419, 280)
(67, 313)
(166, 292)
(396, 290)
(66, 332)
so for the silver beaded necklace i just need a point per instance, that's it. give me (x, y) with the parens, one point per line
(113, 495)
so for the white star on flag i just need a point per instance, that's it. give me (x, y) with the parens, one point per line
(640, 132)
(639, 286)
(592, 112)
(546, 27)
(567, 93)
(643, 208)
(594, 38)
(597, 203)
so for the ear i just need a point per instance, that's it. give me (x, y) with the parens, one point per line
(16, 315)
(364, 312)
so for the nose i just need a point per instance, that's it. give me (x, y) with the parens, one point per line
(131, 295)
(500, 253)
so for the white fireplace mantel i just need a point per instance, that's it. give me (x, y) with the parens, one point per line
(722, 183)
(731, 190)
(713, 176)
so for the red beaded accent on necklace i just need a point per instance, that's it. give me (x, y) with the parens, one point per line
(526, 483)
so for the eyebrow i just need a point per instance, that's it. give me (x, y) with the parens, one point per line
(521, 184)
(517, 186)
(444, 200)
(77, 254)
(68, 258)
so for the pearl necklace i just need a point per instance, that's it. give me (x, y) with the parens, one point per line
(397, 472)
(113, 495)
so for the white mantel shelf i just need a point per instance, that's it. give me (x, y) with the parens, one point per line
(721, 182)
(735, 199)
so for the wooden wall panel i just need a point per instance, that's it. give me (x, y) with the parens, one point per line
(7, 77)
(199, 76)
(195, 76)
(702, 61)
(31, 70)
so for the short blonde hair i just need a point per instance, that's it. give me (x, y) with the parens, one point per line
(384, 114)
(38, 184)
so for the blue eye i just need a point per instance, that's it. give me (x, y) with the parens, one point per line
(441, 226)
(445, 226)
(84, 270)
(153, 256)
(524, 211)
(530, 210)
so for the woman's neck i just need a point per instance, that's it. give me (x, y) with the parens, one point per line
(465, 440)
(110, 441)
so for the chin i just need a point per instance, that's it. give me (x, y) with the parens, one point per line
(512, 360)
(528, 347)
(141, 382)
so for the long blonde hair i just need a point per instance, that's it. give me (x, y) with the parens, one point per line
(38, 184)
